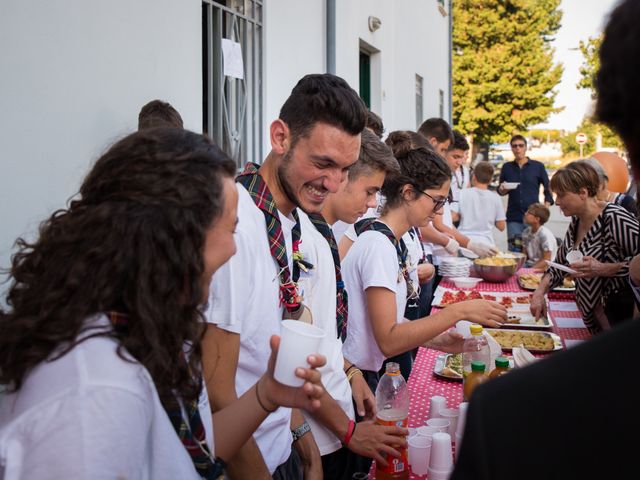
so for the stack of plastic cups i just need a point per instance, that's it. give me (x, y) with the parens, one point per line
(460, 427)
(419, 453)
(426, 431)
(451, 414)
(442, 424)
(436, 404)
(441, 461)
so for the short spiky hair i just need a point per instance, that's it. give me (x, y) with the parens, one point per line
(375, 156)
(323, 98)
(438, 128)
(459, 142)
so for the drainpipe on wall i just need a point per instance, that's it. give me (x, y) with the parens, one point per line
(331, 36)
(451, 62)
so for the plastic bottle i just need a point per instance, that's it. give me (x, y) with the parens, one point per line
(392, 401)
(475, 378)
(475, 347)
(502, 367)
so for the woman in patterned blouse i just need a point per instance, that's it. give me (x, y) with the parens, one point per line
(606, 235)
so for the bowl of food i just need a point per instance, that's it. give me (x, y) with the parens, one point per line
(520, 258)
(495, 269)
(465, 283)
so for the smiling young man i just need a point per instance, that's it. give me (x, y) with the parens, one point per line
(313, 143)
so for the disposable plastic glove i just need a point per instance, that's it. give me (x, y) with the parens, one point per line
(452, 247)
(481, 249)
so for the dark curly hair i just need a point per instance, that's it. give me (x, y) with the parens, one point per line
(616, 82)
(132, 242)
(420, 167)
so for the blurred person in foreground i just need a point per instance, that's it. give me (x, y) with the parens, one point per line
(100, 347)
(543, 410)
(606, 235)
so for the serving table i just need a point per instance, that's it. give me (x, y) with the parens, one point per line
(423, 384)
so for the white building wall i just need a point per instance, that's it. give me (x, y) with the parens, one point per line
(413, 39)
(74, 74)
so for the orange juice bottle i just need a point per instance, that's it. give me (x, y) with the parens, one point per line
(502, 367)
(475, 378)
(392, 400)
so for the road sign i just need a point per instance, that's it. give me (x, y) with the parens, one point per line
(581, 138)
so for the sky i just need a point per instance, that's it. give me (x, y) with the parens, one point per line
(581, 19)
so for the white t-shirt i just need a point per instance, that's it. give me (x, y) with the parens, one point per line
(91, 414)
(339, 228)
(244, 298)
(372, 262)
(320, 297)
(460, 179)
(479, 211)
(535, 244)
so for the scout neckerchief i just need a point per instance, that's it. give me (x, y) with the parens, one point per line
(415, 233)
(341, 294)
(261, 196)
(191, 434)
(401, 249)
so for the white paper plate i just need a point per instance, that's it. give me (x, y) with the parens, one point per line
(562, 267)
(510, 185)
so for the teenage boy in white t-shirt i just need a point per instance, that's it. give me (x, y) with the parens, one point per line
(538, 241)
(479, 209)
(458, 154)
(342, 380)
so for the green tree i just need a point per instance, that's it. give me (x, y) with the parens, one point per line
(503, 70)
(591, 63)
(570, 147)
(588, 70)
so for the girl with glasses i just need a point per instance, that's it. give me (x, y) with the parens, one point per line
(376, 274)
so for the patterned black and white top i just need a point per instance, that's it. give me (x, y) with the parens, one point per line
(613, 238)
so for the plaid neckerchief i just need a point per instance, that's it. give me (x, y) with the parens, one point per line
(401, 249)
(342, 310)
(191, 434)
(259, 191)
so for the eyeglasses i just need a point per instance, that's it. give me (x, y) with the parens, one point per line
(518, 145)
(438, 203)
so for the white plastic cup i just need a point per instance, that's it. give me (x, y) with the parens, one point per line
(436, 404)
(426, 431)
(441, 458)
(412, 432)
(442, 424)
(461, 419)
(573, 256)
(451, 414)
(297, 342)
(419, 453)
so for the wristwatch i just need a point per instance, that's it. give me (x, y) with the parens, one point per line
(298, 432)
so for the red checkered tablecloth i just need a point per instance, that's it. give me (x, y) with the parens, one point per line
(423, 384)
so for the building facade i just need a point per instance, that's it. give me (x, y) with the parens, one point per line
(76, 72)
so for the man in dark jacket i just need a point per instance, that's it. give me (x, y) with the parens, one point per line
(528, 175)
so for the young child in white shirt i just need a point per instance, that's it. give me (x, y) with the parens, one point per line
(478, 209)
(537, 240)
